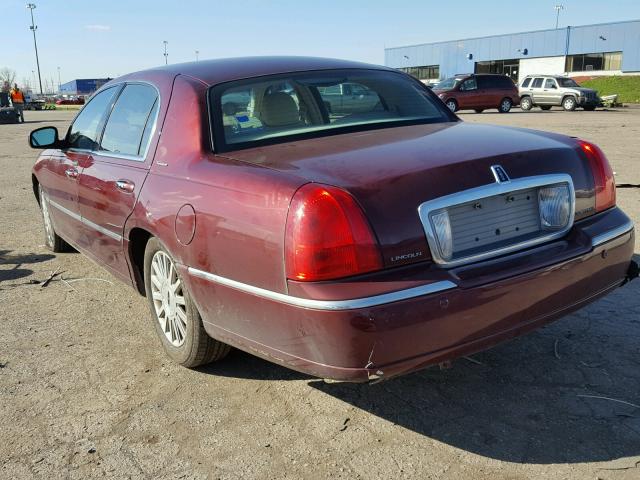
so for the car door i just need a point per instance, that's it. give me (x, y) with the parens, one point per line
(468, 94)
(111, 179)
(487, 92)
(61, 181)
(550, 92)
(537, 91)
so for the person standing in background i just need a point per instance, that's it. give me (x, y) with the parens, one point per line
(4, 94)
(17, 99)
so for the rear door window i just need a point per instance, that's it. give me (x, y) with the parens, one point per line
(537, 83)
(135, 108)
(85, 131)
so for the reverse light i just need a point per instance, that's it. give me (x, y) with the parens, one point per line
(327, 236)
(442, 229)
(605, 184)
(555, 206)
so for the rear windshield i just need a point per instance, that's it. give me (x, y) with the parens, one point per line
(280, 108)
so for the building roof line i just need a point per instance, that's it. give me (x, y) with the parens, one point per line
(507, 34)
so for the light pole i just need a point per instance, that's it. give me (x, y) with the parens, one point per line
(59, 82)
(197, 53)
(33, 28)
(557, 9)
(166, 55)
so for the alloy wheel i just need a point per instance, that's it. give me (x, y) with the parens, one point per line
(168, 298)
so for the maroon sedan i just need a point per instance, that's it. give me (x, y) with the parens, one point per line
(355, 243)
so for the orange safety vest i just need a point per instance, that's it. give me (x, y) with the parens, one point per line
(17, 96)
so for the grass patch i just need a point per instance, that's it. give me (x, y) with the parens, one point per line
(627, 87)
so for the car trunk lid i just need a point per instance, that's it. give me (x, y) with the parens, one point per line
(392, 171)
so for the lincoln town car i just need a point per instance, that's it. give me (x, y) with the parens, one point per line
(330, 216)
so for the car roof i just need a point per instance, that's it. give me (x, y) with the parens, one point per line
(222, 70)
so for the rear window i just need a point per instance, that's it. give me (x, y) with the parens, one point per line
(280, 108)
(526, 82)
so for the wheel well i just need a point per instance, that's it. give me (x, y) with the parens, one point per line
(138, 239)
(568, 95)
(35, 184)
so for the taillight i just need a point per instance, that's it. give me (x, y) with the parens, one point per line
(328, 236)
(605, 184)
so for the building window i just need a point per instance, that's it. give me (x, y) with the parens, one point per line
(502, 67)
(588, 62)
(428, 72)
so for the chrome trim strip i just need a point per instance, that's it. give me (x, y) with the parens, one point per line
(613, 233)
(333, 305)
(88, 223)
(490, 190)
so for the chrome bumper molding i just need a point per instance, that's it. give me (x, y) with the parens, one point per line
(334, 305)
(611, 234)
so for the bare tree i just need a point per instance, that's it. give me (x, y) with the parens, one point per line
(7, 75)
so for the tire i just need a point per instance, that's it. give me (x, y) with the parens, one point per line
(505, 105)
(52, 240)
(589, 108)
(479, 110)
(452, 105)
(545, 107)
(526, 103)
(182, 335)
(569, 103)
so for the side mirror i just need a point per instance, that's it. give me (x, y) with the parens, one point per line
(45, 137)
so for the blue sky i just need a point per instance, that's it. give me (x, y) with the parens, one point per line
(88, 39)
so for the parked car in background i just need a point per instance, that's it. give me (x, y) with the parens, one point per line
(546, 91)
(349, 98)
(33, 102)
(357, 245)
(71, 101)
(478, 92)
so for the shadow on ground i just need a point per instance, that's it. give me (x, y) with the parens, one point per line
(527, 401)
(16, 263)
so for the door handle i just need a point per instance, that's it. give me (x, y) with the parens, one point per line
(71, 172)
(126, 186)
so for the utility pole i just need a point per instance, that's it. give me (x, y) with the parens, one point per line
(59, 82)
(197, 53)
(166, 55)
(557, 9)
(33, 28)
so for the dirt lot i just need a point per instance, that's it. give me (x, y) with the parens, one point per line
(85, 390)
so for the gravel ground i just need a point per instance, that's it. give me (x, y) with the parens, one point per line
(85, 390)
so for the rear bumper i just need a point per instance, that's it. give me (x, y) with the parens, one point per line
(438, 315)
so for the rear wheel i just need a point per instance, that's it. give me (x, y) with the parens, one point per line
(505, 105)
(545, 107)
(176, 318)
(479, 110)
(526, 104)
(452, 105)
(52, 240)
(569, 104)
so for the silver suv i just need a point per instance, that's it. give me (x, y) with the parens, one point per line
(546, 91)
